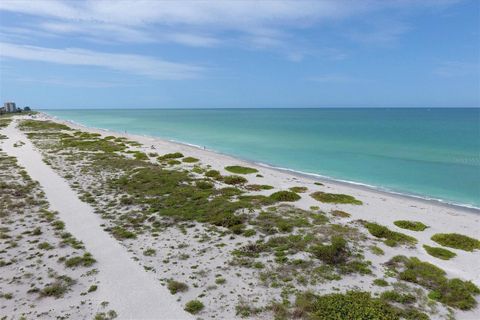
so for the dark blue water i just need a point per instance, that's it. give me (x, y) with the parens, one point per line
(434, 153)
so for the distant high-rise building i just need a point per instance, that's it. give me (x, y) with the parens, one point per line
(10, 107)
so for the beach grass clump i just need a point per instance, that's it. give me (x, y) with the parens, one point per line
(456, 241)
(194, 306)
(57, 288)
(454, 293)
(335, 253)
(258, 187)
(287, 196)
(240, 170)
(138, 155)
(150, 252)
(380, 282)
(440, 253)
(170, 156)
(234, 180)
(341, 214)
(270, 222)
(86, 261)
(37, 125)
(213, 174)
(335, 198)
(45, 246)
(190, 160)
(394, 296)
(122, 233)
(176, 286)
(410, 225)
(298, 189)
(392, 238)
(349, 305)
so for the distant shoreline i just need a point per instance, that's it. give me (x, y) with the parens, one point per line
(313, 176)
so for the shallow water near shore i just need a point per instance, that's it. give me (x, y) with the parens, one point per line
(432, 153)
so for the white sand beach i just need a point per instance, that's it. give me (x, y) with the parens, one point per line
(135, 292)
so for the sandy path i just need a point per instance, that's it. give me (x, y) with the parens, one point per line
(132, 292)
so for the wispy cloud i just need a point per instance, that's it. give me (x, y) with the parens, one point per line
(135, 64)
(263, 25)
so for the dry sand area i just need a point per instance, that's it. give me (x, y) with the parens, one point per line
(131, 227)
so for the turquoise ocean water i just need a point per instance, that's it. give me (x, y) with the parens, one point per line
(432, 153)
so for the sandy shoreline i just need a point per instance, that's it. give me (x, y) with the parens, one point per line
(196, 254)
(311, 176)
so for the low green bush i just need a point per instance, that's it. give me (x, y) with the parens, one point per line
(456, 241)
(140, 155)
(410, 225)
(288, 196)
(335, 198)
(122, 233)
(194, 306)
(455, 293)
(86, 261)
(213, 174)
(233, 180)
(190, 160)
(440, 253)
(341, 214)
(380, 282)
(298, 189)
(339, 306)
(392, 238)
(169, 156)
(335, 253)
(394, 296)
(240, 170)
(258, 187)
(176, 286)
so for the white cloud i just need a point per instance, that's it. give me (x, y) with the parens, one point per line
(200, 22)
(130, 63)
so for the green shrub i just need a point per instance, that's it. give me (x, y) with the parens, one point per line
(240, 170)
(233, 180)
(392, 238)
(335, 198)
(394, 296)
(339, 306)
(204, 184)
(335, 253)
(121, 233)
(194, 306)
(58, 288)
(298, 189)
(380, 282)
(190, 160)
(410, 225)
(341, 214)
(45, 246)
(440, 253)
(457, 241)
(149, 252)
(258, 187)
(140, 155)
(455, 293)
(213, 174)
(176, 286)
(93, 288)
(86, 260)
(169, 156)
(288, 196)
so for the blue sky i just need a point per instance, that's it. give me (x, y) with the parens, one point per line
(213, 54)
